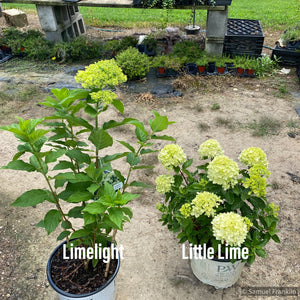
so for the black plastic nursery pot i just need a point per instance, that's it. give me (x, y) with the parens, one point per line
(104, 292)
(286, 56)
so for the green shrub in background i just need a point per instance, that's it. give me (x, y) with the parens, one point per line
(78, 49)
(133, 64)
(32, 43)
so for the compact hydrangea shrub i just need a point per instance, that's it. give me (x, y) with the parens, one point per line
(217, 203)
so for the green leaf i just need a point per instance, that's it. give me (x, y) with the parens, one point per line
(143, 167)
(275, 238)
(52, 220)
(261, 253)
(79, 233)
(109, 158)
(140, 184)
(40, 224)
(95, 208)
(34, 136)
(75, 212)
(66, 225)
(127, 197)
(90, 110)
(79, 197)
(141, 135)
(60, 94)
(132, 159)
(127, 145)
(78, 156)
(187, 163)
(54, 155)
(163, 137)
(19, 165)
(100, 139)
(32, 198)
(88, 218)
(160, 123)
(40, 165)
(62, 165)
(127, 211)
(118, 105)
(257, 202)
(116, 216)
(18, 155)
(146, 151)
(63, 235)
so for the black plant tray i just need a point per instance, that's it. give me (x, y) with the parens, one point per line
(288, 57)
(177, 3)
(243, 37)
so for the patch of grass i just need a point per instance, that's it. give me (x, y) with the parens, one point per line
(225, 123)
(269, 12)
(198, 107)
(265, 126)
(292, 123)
(215, 106)
(203, 126)
(275, 185)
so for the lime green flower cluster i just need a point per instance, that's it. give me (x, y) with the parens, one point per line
(186, 210)
(210, 148)
(104, 73)
(205, 203)
(171, 156)
(253, 156)
(256, 182)
(106, 96)
(230, 228)
(275, 209)
(164, 183)
(202, 183)
(223, 171)
(248, 223)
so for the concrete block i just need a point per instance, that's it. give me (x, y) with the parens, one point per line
(15, 17)
(47, 17)
(74, 29)
(216, 23)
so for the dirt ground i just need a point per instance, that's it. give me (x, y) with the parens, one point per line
(152, 267)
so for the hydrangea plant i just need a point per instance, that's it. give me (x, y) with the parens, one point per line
(66, 149)
(218, 203)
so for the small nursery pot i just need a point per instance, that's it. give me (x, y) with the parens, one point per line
(221, 70)
(201, 69)
(218, 273)
(240, 71)
(161, 70)
(105, 292)
(250, 71)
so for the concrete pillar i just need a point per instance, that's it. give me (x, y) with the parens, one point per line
(0, 10)
(216, 24)
(60, 23)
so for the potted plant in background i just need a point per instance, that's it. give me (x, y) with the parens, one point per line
(167, 65)
(250, 66)
(68, 152)
(202, 63)
(220, 65)
(218, 208)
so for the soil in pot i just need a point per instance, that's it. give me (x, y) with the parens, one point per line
(70, 276)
